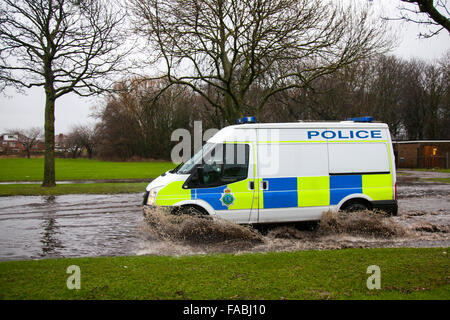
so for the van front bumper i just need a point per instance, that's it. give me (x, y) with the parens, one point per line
(389, 206)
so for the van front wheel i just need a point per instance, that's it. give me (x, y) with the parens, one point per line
(192, 210)
(356, 206)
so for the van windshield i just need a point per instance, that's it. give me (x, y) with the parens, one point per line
(186, 168)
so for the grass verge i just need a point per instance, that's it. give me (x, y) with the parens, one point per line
(78, 188)
(431, 170)
(406, 273)
(444, 180)
(18, 169)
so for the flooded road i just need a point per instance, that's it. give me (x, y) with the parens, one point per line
(36, 227)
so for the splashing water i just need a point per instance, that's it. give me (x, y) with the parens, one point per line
(197, 233)
(169, 234)
(364, 223)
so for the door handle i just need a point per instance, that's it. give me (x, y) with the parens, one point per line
(251, 185)
(264, 185)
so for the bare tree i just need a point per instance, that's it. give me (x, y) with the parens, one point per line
(28, 138)
(385, 91)
(82, 137)
(233, 45)
(72, 146)
(444, 64)
(431, 13)
(135, 124)
(62, 45)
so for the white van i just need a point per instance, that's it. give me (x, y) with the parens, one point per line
(284, 172)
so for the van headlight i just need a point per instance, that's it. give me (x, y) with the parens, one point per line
(152, 196)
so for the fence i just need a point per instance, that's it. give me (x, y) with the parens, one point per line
(429, 162)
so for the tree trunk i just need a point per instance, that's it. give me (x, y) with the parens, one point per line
(74, 153)
(49, 159)
(232, 111)
(90, 152)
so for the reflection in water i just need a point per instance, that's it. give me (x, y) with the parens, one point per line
(49, 240)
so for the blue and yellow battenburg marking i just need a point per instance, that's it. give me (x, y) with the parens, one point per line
(285, 192)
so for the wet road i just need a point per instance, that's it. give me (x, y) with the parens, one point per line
(36, 227)
(69, 226)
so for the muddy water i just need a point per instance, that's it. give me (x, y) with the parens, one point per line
(107, 225)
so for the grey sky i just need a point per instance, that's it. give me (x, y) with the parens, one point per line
(19, 110)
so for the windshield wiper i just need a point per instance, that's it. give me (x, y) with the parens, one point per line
(175, 170)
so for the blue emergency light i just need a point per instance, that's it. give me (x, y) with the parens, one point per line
(361, 119)
(246, 120)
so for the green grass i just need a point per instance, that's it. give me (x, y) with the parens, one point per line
(85, 188)
(432, 170)
(406, 273)
(444, 180)
(79, 169)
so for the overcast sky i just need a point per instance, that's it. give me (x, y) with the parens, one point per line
(19, 110)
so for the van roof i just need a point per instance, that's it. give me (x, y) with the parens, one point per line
(299, 125)
(237, 133)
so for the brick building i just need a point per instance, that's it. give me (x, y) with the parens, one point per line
(422, 154)
(12, 144)
(9, 144)
(61, 143)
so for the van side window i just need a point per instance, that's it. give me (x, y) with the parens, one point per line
(225, 164)
(345, 158)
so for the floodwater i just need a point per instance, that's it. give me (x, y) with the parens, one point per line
(69, 226)
(36, 227)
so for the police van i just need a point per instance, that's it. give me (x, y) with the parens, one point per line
(284, 172)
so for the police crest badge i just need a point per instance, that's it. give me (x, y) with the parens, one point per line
(227, 198)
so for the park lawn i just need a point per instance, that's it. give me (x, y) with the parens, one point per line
(406, 273)
(76, 188)
(18, 169)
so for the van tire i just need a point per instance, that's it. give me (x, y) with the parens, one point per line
(356, 205)
(193, 210)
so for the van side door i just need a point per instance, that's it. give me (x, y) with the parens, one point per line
(293, 176)
(225, 181)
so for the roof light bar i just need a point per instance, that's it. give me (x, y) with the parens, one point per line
(246, 120)
(361, 119)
